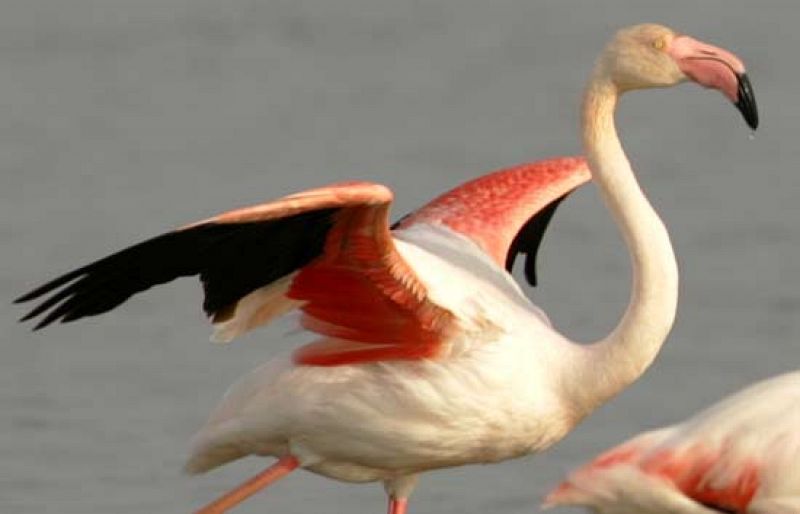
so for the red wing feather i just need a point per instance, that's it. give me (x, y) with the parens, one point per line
(363, 296)
(691, 470)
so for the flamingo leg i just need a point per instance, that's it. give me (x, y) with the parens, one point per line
(398, 489)
(280, 469)
(397, 505)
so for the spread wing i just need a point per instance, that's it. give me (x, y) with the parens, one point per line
(506, 212)
(327, 251)
(330, 253)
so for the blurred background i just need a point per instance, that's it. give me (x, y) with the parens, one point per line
(124, 118)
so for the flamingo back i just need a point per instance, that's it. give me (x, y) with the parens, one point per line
(740, 453)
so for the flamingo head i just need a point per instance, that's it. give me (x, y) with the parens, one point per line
(650, 55)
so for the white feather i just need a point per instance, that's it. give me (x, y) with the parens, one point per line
(257, 308)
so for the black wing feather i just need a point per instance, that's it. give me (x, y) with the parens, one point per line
(232, 259)
(529, 238)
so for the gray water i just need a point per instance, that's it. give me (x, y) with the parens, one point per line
(125, 118)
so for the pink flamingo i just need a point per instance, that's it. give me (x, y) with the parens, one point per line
(429, 355)
(740, 456)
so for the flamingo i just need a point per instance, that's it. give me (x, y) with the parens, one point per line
(428, 355)
(739, 455)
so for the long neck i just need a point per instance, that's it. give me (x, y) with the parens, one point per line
(612, 363)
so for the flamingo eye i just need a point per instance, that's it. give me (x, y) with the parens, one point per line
(660, 43)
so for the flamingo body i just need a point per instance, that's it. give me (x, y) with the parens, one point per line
(739, 455)
(488, 396)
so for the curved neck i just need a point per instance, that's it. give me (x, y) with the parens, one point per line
(612, 363)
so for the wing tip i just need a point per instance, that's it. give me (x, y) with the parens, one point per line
(33, 314)
(22, 299)
(42, 323)
(31, 295)
(529, 238)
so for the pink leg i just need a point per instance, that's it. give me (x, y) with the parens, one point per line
(397, 505)
(280, 469)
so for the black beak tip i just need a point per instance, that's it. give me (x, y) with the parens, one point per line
(746, 101)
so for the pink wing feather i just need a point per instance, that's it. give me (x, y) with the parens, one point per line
(492, 209)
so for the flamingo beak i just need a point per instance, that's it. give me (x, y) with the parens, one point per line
(716, 68)
(746, 101)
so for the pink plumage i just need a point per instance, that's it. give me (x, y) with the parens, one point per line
(491, 209)
(739, 455)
